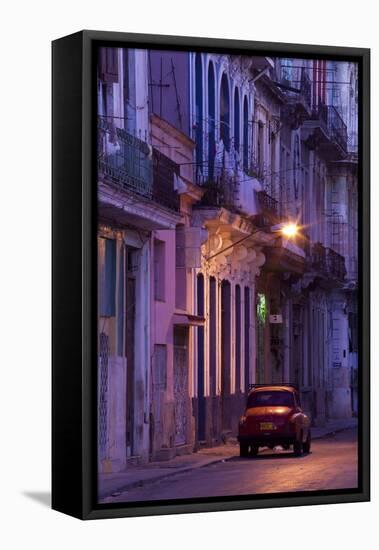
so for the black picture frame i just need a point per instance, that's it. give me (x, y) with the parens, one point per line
(74, 293)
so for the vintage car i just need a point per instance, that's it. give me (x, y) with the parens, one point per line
(274, 417)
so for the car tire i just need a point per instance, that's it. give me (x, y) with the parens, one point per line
(254, 450)
(307, 444)
(244, 450)
(298, 447)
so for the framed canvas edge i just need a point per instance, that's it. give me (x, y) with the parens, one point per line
(87, 507)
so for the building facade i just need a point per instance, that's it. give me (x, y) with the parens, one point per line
(201, 160)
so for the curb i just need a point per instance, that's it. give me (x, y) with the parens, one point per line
(185, 469)
(333, 432)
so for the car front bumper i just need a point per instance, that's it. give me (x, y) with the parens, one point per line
(263, 440)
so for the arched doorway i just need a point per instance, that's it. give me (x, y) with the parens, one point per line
(225, 112)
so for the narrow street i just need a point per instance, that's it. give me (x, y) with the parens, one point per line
(332, 464)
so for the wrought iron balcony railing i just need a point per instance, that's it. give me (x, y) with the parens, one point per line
(296, 84)
(320, 113)
(267, 203)
(124, 159)
(331, 122)
(318, 258)
(219, 191)
(335, 264)
(337, 127)
(164, 172)
(131, 163)
(328, 262)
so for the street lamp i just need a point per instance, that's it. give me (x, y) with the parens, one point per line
(288, 230)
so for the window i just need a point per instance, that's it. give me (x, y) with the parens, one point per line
(211, 120)
(159, 270)
(271, 398)
(245, 135)
(212, 334)
(160, 370)
(125, 62)
(247, 336)
(225, 112)
(260, 147)
(236, 120)
(180, 268)
(287, 70)
(238, 336)
(199, 113)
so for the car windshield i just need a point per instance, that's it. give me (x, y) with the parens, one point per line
(270, 398)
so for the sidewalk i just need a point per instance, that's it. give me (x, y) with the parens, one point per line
(333, 427)
(137, 476)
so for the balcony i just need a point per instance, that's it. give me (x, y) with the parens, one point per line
(285, 256)
(219, 192)
(268, 204)
(297, 87)
(164, 172)
(318, 259)
(131, 164)
(335, 264)
(337, 128)
(326, 130)
(327, 263)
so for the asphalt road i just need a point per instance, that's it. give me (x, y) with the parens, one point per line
(332, 464)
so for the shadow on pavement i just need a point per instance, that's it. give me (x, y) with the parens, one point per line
(271, 456)
(42, 497)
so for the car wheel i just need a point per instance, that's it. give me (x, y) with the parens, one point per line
(254, 450)
(244, 449)
(307, 444)
(298, 447)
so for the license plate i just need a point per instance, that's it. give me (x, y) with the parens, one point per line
(267, 426)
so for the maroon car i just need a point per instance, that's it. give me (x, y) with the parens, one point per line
(273, 416)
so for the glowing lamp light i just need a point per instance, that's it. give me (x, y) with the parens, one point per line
(289, 230)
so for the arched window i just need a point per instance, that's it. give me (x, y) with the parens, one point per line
(245, 135)
(211, 120)
(236, 120)
(225, 112)
(199, 113)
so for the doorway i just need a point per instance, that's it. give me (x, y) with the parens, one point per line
(181, 396)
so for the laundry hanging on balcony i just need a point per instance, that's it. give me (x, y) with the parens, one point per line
(246, 193)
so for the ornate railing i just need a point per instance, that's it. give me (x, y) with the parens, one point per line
(319, 258)
(296, 84)
(320, 113)
(131, 163)
(267, 203)
(337, 127)
(336, 264)
(328, 261)
(164, 173)
(219, 191)
(332, 123)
